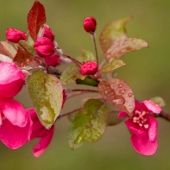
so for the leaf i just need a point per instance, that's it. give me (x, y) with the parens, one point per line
(111, 66)
(46, 93)
(86, 56)
(35, 19)
(88, 81)
(121, 47)
(117, 93)
(23, 57)
(5, 58)
(70, 74)
(158, 100)
(88, 124)
(7, 49)
(112, 32)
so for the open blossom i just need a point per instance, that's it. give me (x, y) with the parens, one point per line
(39, 131)
(143, 126)
(14, 35)
(14, 120)
(44, 47)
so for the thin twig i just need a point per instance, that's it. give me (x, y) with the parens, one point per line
(68, 113)
(95, 47)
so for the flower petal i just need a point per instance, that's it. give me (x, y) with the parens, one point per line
(43, 143)
(14, 136)
(143, 145)
(11, 79)
(153, 128)
(122, 114)
(152, 106)
(15, 113)
(134, 128)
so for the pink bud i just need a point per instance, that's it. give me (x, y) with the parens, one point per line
(14, 35)
(44, 47)
(48, 33)
(52, 60)
(89, 68)
(90, 24)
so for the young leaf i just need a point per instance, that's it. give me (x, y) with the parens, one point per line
(117, 93)
(121, 47)
(35, 19)
(23, 57)
(111, 66)
(112, 32)
(46, 93)
(86, 56)
(89, 124)
(7, 49)
(70, 74)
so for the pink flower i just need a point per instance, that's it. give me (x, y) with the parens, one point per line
(143, 126)
(90, 24)
(39, 131)
(53, 60)
(44, 47)
(11, 79)
(14, 121)
(14, 35)
(15, 124)
(89, 68)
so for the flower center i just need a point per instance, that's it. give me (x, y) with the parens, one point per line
(141, 118)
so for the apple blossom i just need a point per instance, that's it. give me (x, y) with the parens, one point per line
(89, 68)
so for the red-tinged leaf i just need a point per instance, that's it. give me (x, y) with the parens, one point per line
(112, 32)
(117, 93)
(121, 47)
(7, 49)
(36, 18)
(23, 58)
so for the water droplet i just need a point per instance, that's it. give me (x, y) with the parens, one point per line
(120, 85)
(130, 94)
(122, 91)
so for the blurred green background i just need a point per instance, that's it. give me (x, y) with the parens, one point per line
(147, 72)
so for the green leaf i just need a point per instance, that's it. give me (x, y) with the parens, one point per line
(118, 94)
(88, 81)
(46, 94)
(112, 32)
(158, 100)
(70, 74)
(89, 124)
(111, 66)
(86, 56)
(121, 47)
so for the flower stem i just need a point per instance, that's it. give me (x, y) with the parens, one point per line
(72, 59)
(68, 113)
(95, 47)
(85, 90)
(164, 115)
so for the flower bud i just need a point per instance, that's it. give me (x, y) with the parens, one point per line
(48, 33)
(44, 47)
(90, 24)
(53, 60)
(89, 68)
(14, 35)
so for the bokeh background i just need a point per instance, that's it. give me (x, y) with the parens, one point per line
(147, 72)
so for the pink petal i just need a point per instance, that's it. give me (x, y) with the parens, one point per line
(122, 114)
(43, 143)
(153, 128)
(143, 145)
(134, 128)
(152, 106)
(11, 79)
(52, 60)
(14, 136)
(15, 113)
